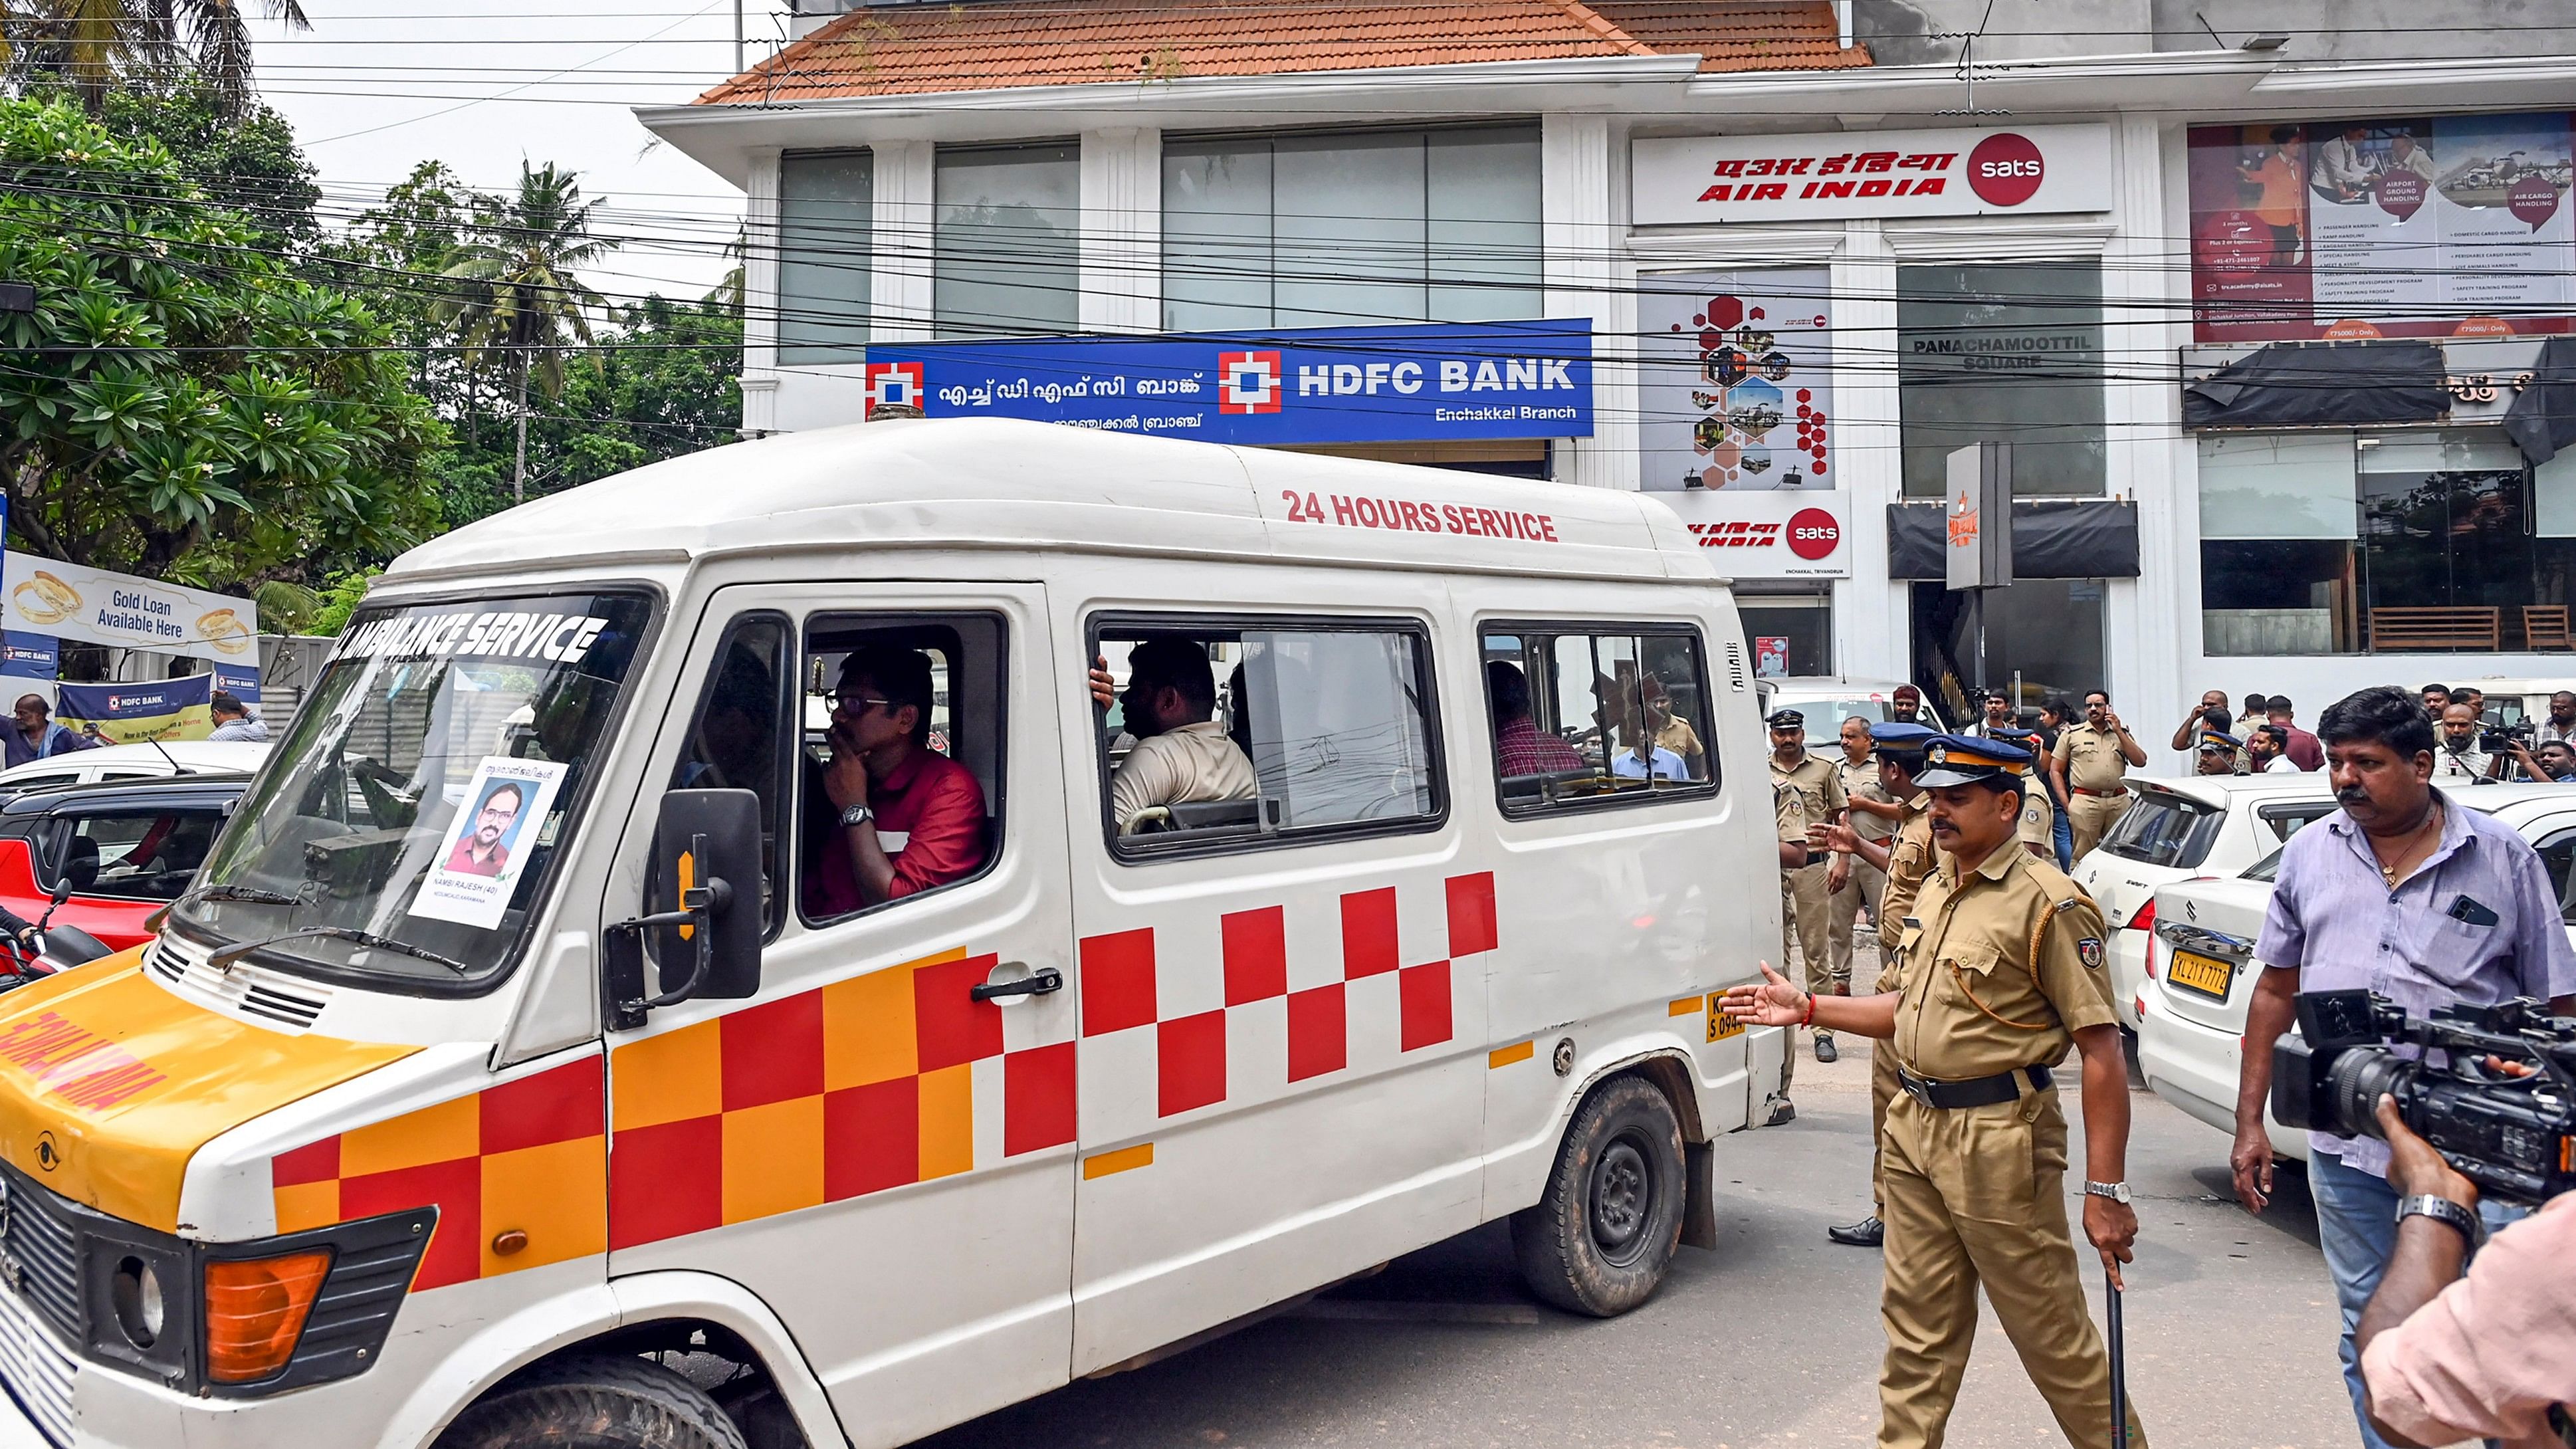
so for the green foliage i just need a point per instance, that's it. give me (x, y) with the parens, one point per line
(181, 404)
(339, 599)
(244, 161)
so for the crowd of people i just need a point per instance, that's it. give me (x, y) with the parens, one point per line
(1992, 975)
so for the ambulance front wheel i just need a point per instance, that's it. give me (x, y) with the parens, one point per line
(1600, 1239)
(604, 1402)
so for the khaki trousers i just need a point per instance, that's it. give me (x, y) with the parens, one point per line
(1882, 1092)
(1802, 919)
(2093, 816)
(1867, 883)
(1978, 1194)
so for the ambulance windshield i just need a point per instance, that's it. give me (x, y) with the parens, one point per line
(430, 779)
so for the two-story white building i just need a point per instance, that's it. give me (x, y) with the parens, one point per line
(1775, 259)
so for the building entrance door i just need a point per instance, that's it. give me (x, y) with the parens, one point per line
(2045, 633)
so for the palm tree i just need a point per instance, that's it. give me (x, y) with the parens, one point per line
(520, 294)
(92, 43)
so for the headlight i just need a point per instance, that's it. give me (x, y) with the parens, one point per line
(141, 1307)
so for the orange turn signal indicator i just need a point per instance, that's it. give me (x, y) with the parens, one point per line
(255, 1312)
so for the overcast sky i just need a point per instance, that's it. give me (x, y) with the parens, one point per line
(376, 86)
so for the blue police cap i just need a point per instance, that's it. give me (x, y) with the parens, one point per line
(1969, 760)
(1893, 734)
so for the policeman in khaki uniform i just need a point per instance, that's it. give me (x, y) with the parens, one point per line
(1906, 857)
(2003, 969)
(2092, 761)
(2037, 830)
(1873, 815)
(1806, 791)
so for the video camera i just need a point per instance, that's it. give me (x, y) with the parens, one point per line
(2495, 739)
(2515, 1137)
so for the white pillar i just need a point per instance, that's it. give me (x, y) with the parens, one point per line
(1122, 230)
(899, 293)
(2153, 622)
(1587, 274)
(1873, 614)
(760, 298)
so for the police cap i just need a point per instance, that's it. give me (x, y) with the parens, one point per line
(1787, 719)
(1967, 760)
(1900, 735)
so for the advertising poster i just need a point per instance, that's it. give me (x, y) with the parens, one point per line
(480, 861)
(1736, 380)
(131, 714)
(1770, 656)
(239, 681)
(1412, 383)
(2443, 226)
(29, 656)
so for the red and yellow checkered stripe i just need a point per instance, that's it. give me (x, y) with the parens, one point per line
(528, 1156)
(825, 1095)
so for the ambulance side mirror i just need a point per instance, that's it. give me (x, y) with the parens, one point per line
(704, 915)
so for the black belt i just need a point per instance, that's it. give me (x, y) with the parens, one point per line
(1975, 1092)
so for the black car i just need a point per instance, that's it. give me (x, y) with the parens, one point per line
(126, 848)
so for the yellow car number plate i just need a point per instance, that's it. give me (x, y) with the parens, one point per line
(2206, 975)
(1720, 1025)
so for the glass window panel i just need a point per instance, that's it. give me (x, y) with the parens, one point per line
(1788, 636)
(2553, 497)
(2482, 449)
(739, 739)
(1482, 191)
(1350, 230)
(2007, 354)
(825, 229)
(2296, 485)
(2278, 596)
(1216, 236)
(1006, 256)
(1582, 719)
(2046, 631)
(1337, 729)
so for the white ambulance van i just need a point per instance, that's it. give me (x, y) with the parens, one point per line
(706, 911)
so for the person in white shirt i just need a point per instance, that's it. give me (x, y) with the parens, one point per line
(2459, 757)
(233, 721)
(2405, 153)
(2269, 746)
(2561, 723)
(1182, 756)
(2343, 172)
(1665, 764)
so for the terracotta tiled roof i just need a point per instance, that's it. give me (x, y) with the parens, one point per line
(899, 49)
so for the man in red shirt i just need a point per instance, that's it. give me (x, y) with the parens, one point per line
(894, 817)
(481, 851)
(1519, 746)
(2304, 751)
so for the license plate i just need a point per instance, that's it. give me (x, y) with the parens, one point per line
(2205, 975)
(1720, 1025)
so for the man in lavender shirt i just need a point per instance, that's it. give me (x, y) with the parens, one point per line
(2408, 893)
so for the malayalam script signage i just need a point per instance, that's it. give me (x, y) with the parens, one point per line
(2442, 226)
(1320, 385)
(1737, 386)
(1769, 535)
(1836, 175)
(65, 601)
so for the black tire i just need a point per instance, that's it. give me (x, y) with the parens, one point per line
(1600, 1239)
(604, 1402)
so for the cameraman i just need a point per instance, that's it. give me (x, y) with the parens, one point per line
(2461, 756)
(2553, 762)
(2425, 902)
(2492, 1355)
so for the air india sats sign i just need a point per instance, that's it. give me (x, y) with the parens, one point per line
(1769, 535)
(1705, 180)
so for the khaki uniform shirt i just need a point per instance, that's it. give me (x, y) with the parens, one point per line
(1180, 767)
(1976, 1000)
(2092, 757)
(2038, 819)
(1809, 794)
(1909, 860)
(1678, 737)
(1860, 782)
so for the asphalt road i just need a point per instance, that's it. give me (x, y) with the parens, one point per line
(1771, 1339)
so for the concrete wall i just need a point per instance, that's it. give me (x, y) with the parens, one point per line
(1924, 32)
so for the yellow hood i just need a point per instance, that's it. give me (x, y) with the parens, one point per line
(109, 1083)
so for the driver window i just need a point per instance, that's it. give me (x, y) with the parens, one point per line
(738, 738)
(147, 855)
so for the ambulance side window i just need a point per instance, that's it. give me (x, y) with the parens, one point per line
(1241, 734)
(739, 737)
(1592, 715)
(934, 791)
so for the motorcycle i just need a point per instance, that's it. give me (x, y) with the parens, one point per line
(55, 948)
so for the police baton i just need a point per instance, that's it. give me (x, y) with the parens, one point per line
(2119, 1370)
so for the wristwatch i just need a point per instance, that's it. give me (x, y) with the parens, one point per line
(857, 815)
(2444, 1211)
(2117, 1192)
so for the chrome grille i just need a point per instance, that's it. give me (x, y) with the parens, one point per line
(247, 989)
(37, 1368)
(42, 1258)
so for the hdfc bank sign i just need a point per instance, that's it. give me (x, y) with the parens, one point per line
(1696, 181)
(1782, 533)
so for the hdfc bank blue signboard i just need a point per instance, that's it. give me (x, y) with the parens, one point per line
(1320, 385)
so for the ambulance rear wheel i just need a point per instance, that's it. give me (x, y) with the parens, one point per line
(1599, 1241)
(606, 1402)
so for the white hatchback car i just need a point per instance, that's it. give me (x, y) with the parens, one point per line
(133, 762)
(1827, 702)
(2181, 829)
(2190, 1042)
